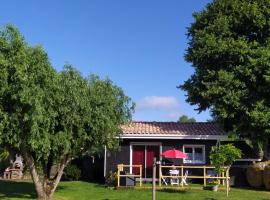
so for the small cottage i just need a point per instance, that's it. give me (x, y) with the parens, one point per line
(141, 141)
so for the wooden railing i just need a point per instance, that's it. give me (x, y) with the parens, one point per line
(224, 176)
(120, 167)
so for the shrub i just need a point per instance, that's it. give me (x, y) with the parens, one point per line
(72, 172)
(111, 179)
(266, 177)
(224, 155)
(255, 175)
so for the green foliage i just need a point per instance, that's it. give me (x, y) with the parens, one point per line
(4, 154)
(4, 161)
(111, 179)
(53, 116)
(54, 113)
(229, 47)
(186, 119)
(72, 172)
(224, 155)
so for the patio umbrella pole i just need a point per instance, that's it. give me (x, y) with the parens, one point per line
(154, 180)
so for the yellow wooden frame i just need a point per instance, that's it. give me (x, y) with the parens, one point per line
(224, 176)
(120, 167)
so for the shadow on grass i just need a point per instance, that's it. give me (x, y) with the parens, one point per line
(12, 189)
(19, 189)
(168, 190)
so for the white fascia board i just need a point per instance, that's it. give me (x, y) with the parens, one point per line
(173, 137)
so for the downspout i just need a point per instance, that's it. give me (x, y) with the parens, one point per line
(105, 161)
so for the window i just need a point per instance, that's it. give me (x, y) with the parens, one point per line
(195, 153)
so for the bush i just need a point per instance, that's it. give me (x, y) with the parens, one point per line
(111, 179)
(255, 175)
(72, 172)
(4, 159)
(224, 155)
(266, 177)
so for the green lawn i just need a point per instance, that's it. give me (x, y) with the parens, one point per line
(91, 191)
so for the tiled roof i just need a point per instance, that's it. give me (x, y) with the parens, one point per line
(172, 128)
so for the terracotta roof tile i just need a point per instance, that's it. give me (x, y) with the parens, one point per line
(172, 128)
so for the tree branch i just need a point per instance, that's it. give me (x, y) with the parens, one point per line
(60, 171)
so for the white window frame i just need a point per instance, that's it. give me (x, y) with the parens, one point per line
(193, 146)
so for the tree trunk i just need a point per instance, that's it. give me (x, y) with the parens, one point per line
(46, 189)
(53, 185)
(41, 195)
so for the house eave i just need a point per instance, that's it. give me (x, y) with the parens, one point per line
(173, 137)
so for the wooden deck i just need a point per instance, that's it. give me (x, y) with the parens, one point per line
(222, 178)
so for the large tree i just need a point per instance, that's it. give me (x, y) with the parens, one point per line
(229, 48)
(52, 117)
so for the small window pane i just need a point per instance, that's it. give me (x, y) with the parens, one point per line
(189, 153)
(198, 156)
(198, 150)
(188, 150)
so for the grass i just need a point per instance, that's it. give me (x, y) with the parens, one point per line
(91, 191)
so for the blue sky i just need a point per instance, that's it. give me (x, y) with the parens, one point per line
(138, 44)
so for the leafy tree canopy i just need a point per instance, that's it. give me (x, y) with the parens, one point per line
(52, 117)
(224, 156)
(229, 47)
(186, 119)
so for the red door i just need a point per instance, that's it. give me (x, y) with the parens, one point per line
(151, 152)
(138, 158)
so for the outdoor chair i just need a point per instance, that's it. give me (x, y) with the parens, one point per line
(184, 179)
(174, 180)
(164, 180)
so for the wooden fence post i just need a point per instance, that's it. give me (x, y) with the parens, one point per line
(227, 181)
(154, 180)
(182, 175)
(204, 176)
